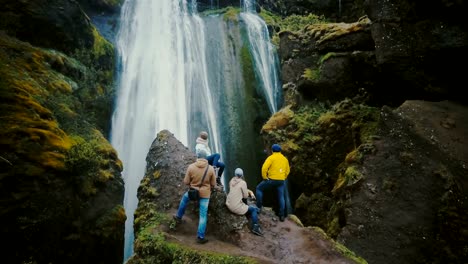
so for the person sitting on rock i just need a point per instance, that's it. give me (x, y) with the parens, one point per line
(213, 158)
(235, 200)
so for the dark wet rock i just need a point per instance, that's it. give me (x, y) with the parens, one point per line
(415, 45)
(392, 176)
(339, 11)
(330, 62)
(411, 196)
(61, 190)
(101, 6)
(43, 22)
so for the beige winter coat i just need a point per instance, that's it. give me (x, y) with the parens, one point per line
(237, 191)
(194, 175)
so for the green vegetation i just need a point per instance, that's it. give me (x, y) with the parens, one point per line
(340, 248)
(326, 57)
(296, 22)
(229, 13)
(151, 244)
(248, 70)
(291, 23)
(311, 74)
(89, 160)
(232, 14)
(40, 112)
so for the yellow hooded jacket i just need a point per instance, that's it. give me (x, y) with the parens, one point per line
(275, 167)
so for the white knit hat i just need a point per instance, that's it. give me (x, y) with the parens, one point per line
(239, 172)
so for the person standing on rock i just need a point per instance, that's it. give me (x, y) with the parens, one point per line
(213, 158)
(235, 200)
(275, 171)
(193, 178)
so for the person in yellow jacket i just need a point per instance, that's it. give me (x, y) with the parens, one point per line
(275, 171)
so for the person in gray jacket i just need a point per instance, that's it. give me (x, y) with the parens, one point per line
(237, 193)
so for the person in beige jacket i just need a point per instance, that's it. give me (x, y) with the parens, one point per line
(193, 178)
(237, 193)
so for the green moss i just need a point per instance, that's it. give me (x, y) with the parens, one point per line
(152, 247)
(101, 46)
(353, 157)
(156, 174)
(311, 74)
(110, 223)
(248, 70)
(350, 177)
(326, 57)
(291, 23)
(232, 14)
(334, 227)
(92, 159)
(327, 119)
(341, 248)
(270, 18)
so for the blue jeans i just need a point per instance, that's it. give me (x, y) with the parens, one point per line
(253, 211)
(266, 184)
(213, 160)
(203, 218)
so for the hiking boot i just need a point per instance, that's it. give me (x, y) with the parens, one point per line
(256, 230)
(282, 218)
(201, 240)
(177, 219)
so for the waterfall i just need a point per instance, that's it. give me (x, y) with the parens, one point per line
(162, 59)
(339, 8)
(266, 64)
(264, 54)
(181, 72)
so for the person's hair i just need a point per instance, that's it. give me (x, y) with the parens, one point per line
(204, 135)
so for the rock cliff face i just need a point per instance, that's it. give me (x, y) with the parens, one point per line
(399, 51)
(338, 11)
(60, 184)
(380, 172)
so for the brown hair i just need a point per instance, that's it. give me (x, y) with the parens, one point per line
(204, 135)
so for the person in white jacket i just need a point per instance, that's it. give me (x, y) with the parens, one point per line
(234, 201)
(213, 158)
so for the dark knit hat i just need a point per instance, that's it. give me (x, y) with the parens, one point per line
(276, 148)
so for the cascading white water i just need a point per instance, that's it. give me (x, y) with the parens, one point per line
(266, 63)
(174, 75)
(263, 53)
(161, 47)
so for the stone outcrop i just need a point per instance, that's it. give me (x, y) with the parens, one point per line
(61, 190)
(159, 240)
(329, 62)
(388, 184)
(61, 187)
(338, 11)
(42, 23)
(398, 51)
(418, 45)
(406, 202)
